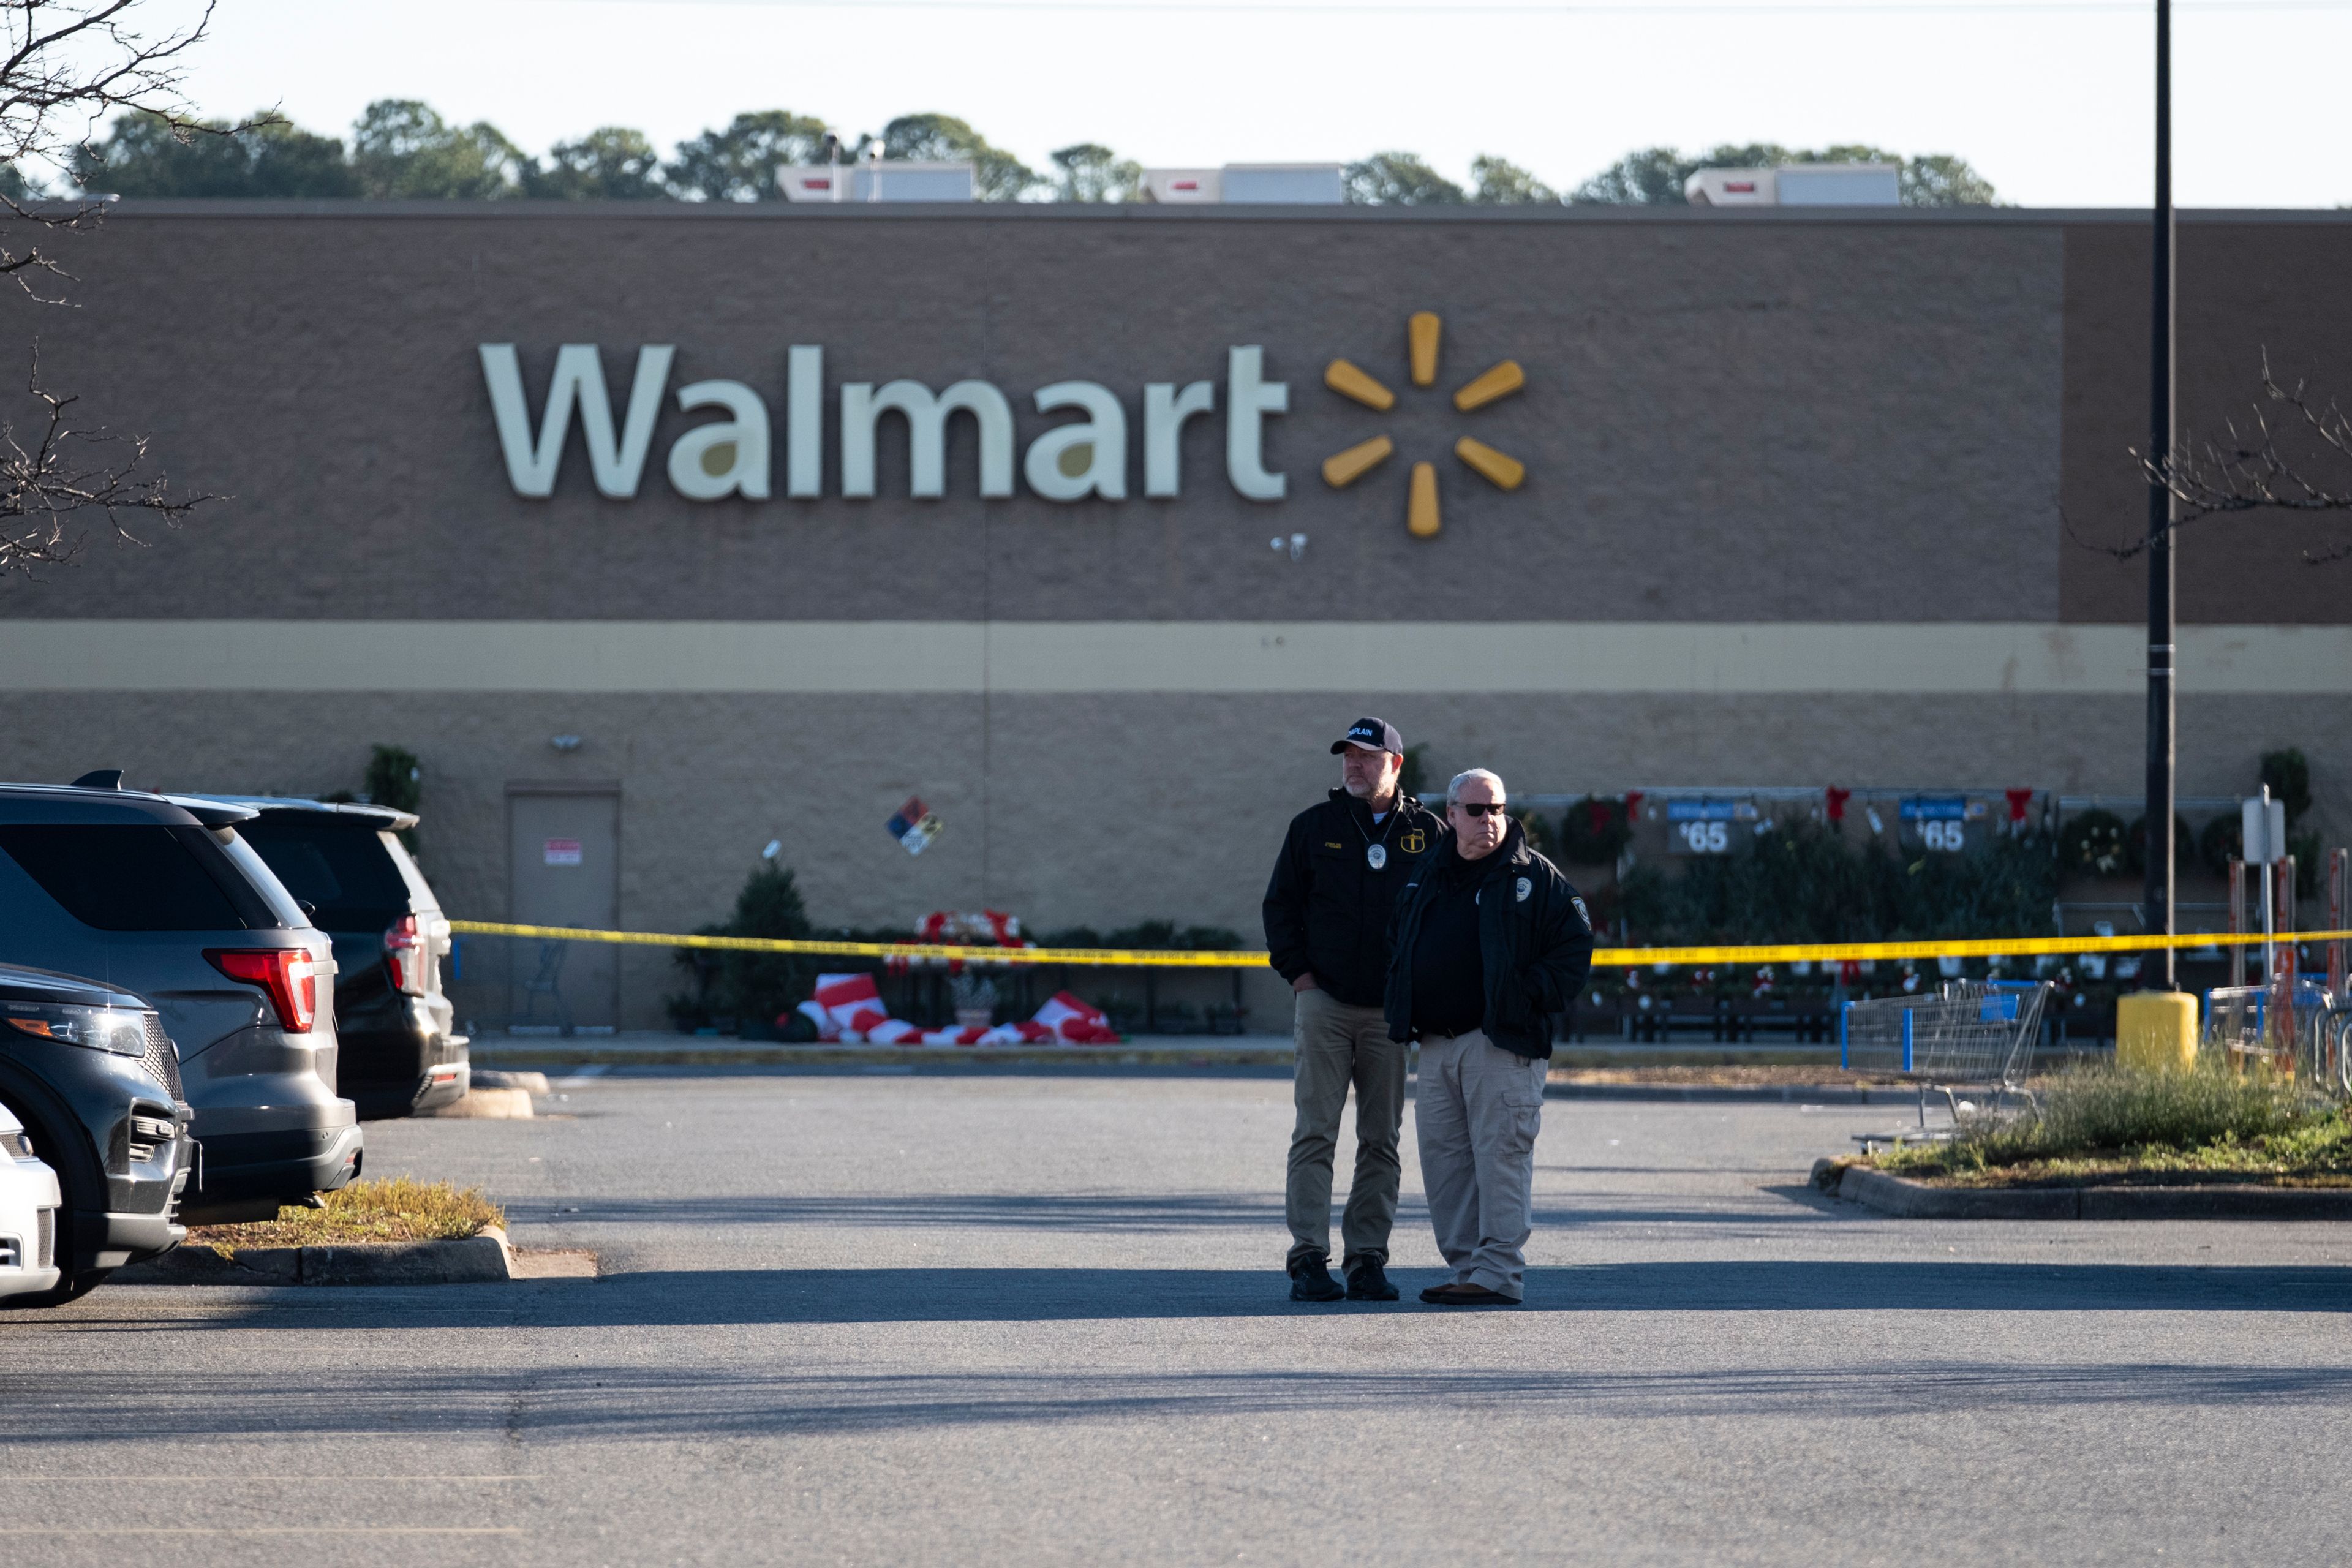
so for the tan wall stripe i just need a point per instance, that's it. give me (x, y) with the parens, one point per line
(951, 657)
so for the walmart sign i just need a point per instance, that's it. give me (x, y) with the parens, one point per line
(733, 454)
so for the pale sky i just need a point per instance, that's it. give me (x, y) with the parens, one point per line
(2052, 102)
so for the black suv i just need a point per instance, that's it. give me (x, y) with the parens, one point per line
(160, 897)
(92, 1075)
(362, 887)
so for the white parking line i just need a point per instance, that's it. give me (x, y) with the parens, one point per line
(269, 1480)
(267, 1529)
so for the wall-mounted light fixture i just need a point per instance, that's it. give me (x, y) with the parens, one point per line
(565, 743)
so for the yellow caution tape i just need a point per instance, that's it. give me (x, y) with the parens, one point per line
(1605, 958)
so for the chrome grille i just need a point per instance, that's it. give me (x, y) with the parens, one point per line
(17, 1144)
(163, 1059)
(45, 1238)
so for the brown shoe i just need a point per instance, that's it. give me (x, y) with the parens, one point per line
(1462, 1295)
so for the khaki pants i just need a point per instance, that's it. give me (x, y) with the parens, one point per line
(1338, 1045)
(1476, 1111)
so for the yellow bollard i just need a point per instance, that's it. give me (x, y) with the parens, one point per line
(2156, 1031)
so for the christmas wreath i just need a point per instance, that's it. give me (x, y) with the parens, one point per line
(2094, 844)
(1594, 832)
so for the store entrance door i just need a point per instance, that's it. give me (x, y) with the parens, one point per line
(563, 859)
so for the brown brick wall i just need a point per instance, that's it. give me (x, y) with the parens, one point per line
(2246, 286)
(1725, 421)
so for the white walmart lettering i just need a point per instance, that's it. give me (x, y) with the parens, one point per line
(731, 456)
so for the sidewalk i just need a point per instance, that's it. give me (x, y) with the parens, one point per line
(655, 1049)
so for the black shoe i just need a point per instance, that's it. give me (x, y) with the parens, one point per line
(1368, 1282)
(1311, 1280)
(1464, 1295)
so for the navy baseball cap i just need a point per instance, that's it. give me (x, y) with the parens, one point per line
(1373, 734)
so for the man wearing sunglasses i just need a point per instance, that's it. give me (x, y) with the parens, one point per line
(1326, 928)
(1490, 943)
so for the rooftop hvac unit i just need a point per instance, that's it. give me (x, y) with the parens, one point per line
(1180, 186)
(1797, 185)
(884, 180)
(1290, 184)
(1840, 185)
(1297, 185)
(1731, 188)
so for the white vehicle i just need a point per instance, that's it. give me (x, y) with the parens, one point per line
(28, 1213)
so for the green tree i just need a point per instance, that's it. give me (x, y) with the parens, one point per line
(611, 164)
(1648, 176)
(403, 150)
(145, 156)
(395, 778)
(2288, 773)
(1941, 180)
(1499, 181)
(1397, 179)
(1089, 172)
(997, 175)
(763, 985)
(739, 164)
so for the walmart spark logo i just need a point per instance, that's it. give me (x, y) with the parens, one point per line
(1421, 335)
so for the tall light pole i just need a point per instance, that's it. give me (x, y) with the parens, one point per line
(2158, 893)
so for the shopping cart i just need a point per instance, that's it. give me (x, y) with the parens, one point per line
(2299, 1030)
(1970, 1034)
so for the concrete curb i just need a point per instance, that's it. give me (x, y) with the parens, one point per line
(1904, 1199)
(1756, 1094)
(486, 1105)
(474, 1260)
(574, 1054)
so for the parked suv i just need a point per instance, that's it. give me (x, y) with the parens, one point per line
(90, 1077)
(29, 1219)
(349, 870)
(159, 896)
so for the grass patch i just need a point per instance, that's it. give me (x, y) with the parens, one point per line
(1723, 1075)
(366, 1211)
(2105, 1124)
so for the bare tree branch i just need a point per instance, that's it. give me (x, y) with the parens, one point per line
(66, 66)
(42, 486)
(2249, 471)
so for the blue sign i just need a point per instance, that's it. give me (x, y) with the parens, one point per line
(1936, 808)
(1708, 811)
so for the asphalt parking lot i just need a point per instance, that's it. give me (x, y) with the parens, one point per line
(874, 1318)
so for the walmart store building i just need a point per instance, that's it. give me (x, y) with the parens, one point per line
(660, 533)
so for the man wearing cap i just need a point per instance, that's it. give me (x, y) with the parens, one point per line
(1328, 913)
(1490, 941)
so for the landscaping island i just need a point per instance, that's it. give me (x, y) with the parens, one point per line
(397, 1232)
(2200, 1135)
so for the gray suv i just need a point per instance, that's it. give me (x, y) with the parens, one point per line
(158, 895)
(346, 865)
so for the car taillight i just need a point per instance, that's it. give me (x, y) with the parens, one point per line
(285, 973)
(404, 955)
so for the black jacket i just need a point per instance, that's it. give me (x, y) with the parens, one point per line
(1534, 934)
(1327, 909)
